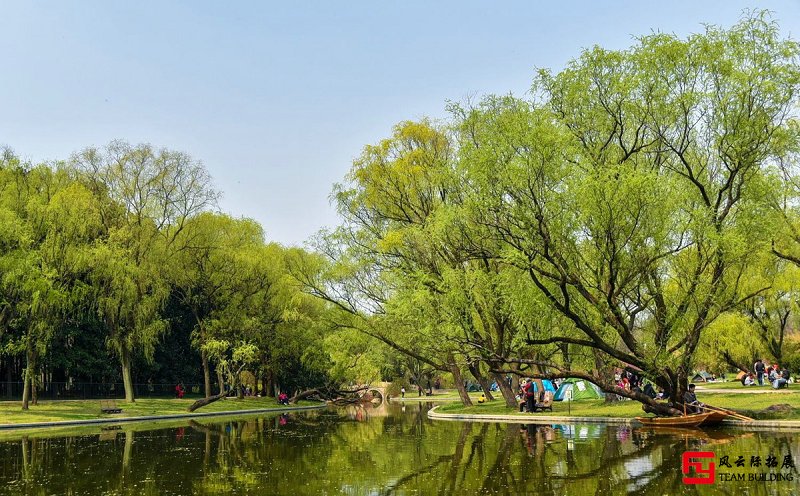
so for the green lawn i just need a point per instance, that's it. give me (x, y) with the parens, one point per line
(732, 385)
(752, 405)
(49, 411)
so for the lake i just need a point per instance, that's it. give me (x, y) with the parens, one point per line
(392, 449)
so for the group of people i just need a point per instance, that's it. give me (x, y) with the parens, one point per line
(776, 376)
(629, 380)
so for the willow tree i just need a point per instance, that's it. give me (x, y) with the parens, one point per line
(48, 223)
(148, 196)
(408, 267)
(209, 276)
(630, 191)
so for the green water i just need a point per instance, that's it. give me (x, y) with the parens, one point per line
(388, 450)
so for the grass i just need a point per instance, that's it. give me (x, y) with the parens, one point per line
(52, 411)
(732, 385)
(752, 405)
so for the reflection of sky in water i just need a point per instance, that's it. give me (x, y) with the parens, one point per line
(637, 469)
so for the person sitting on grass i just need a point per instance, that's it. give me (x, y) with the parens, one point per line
(782, 380)
(690, 399)
(283, 399)
(749, 380)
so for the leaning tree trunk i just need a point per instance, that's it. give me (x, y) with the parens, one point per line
(459, 380)
(305, 394)
(205, 401)
(508, 395)
(475, 370)
(127, 381)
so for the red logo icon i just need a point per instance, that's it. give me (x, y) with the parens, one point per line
(702, 475)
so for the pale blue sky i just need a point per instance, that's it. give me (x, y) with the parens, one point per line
(277, 98)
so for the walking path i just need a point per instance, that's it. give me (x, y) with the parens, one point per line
(150, 418)
(550, 419)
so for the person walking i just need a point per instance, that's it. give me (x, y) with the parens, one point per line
(403, 392)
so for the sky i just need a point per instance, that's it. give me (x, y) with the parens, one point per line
(278, 98)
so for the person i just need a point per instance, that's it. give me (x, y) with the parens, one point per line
(283, 399)
(530, 395)
(437, 384)
(482, 399)
(749, 380)
(759, 369)
(781, 380)
(690, 399)
(403, 392)
(649, 391)
(179, 391)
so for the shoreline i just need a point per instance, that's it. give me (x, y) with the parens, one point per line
(152, 418)
(557, 419)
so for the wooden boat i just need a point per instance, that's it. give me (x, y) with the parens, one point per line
(684, 421)
(715, 418)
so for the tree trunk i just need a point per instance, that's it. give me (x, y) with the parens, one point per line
(303, 395)
(27, 380)
(205, 401)
(127, 381)
(221, 382)
(206, 374)
(459, 380)
(734, 363)
(508, 395)
(34, 367)
(475, 370)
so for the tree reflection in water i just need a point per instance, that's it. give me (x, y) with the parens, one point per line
(381, 451)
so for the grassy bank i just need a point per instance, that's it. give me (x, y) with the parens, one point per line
(53, 411)
(751, 405)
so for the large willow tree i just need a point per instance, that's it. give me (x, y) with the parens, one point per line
(611, 218)
(149, 195)
(633, 191)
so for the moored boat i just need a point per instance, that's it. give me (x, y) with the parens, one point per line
(683, 421)
(715, 418)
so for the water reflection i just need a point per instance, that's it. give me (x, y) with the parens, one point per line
(386, 450)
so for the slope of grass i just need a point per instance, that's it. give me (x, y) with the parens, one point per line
(52, 411)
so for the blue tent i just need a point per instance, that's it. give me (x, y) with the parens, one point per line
(548, 386)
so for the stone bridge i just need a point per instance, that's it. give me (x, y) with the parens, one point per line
(377, 390)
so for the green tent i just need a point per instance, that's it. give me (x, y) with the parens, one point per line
(578, 389)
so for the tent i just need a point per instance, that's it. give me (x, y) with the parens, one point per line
(702, 376)
(578, 389)
(548, 386)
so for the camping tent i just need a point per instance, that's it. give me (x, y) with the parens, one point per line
(578, 389)
(702, 376)
(548, 386)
